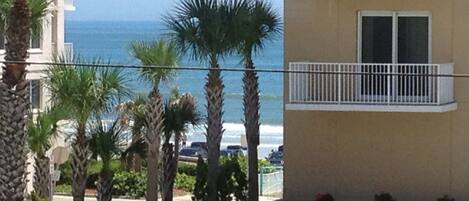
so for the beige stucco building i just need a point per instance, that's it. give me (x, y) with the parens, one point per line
(378, 114)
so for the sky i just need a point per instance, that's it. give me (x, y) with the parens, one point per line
(128, 10)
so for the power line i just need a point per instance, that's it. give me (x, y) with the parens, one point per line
(189, 68)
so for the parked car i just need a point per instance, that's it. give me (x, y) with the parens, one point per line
(199, 145)
(276, 158)
(238, 149)
(280, 148)
(193, 152)
(231, 153)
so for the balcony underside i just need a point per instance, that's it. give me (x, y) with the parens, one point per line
(372, 107)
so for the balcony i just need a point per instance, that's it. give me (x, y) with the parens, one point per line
(371, 87)
(69, 5)
(68, 49)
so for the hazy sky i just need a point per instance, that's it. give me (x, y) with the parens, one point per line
(128, 10)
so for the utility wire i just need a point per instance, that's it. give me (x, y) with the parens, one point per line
(189, 68)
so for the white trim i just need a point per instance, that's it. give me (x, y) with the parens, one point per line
(373, 108)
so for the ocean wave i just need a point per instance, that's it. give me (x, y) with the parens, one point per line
(238, 129)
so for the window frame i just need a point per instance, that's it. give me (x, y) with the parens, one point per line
(395, 18)
(395, 31)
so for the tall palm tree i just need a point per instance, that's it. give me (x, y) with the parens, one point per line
(85, 91)
(260, 24)
(180, 112)
(40, 135)
(203, 29)
(106, 143)
(134, 111)
(159, 53)
(17, 18)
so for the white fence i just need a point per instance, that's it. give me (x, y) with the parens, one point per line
(354, 83)
(271, 180)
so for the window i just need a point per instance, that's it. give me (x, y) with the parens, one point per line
(394, 38)
(35, 41)
(2, 40)
(35, 94)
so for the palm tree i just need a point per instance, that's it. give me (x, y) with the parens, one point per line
(134, 111)
(203, 28)
(106, 143)
(40, 134)
(160, 53)
(180, 112)
(260, 24)
(18, 17)
(85, 91)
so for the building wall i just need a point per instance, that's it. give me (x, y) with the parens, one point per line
(354, 155)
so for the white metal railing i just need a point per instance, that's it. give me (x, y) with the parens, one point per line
(69, 5)
(68, 49)
(355, 83)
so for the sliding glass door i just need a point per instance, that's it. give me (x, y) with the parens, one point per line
(387, 37)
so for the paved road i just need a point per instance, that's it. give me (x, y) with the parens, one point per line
(183, 198)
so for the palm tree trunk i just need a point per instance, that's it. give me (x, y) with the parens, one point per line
(14, 99)
(214, 96)
(104, 186)
(169, 171)
(251, 123)
(79, 164)
(42, 178)
(13, 154)
(154, 115)
(136, 159)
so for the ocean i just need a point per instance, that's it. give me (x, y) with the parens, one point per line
(110, 41)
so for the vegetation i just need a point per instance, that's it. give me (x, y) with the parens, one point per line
(17, 18)
(40, 134)
(204, 29)
(106, 143)
(134, 111)
(258, 24)
(160, 53)
(85, 91)
(231, 181)
(180, 112)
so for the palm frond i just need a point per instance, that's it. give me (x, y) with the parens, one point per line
(202, 28)
(43, 130)
(106, 142)
(261, 24)
(85, 90)
(159, 53)
(39, 9)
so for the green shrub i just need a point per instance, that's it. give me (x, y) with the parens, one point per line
(35, 197)
(231, 180)
(199, 192)
(93, 171)
(187, 168)
(184, 182)
(63, 188)
(131, 184)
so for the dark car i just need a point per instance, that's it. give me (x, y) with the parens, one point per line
(193, 152)
(199, 145)
(237, 149)
(276, 158)
(280, 148)
(231, 152)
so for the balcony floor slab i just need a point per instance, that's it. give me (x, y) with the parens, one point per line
(371, 107)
